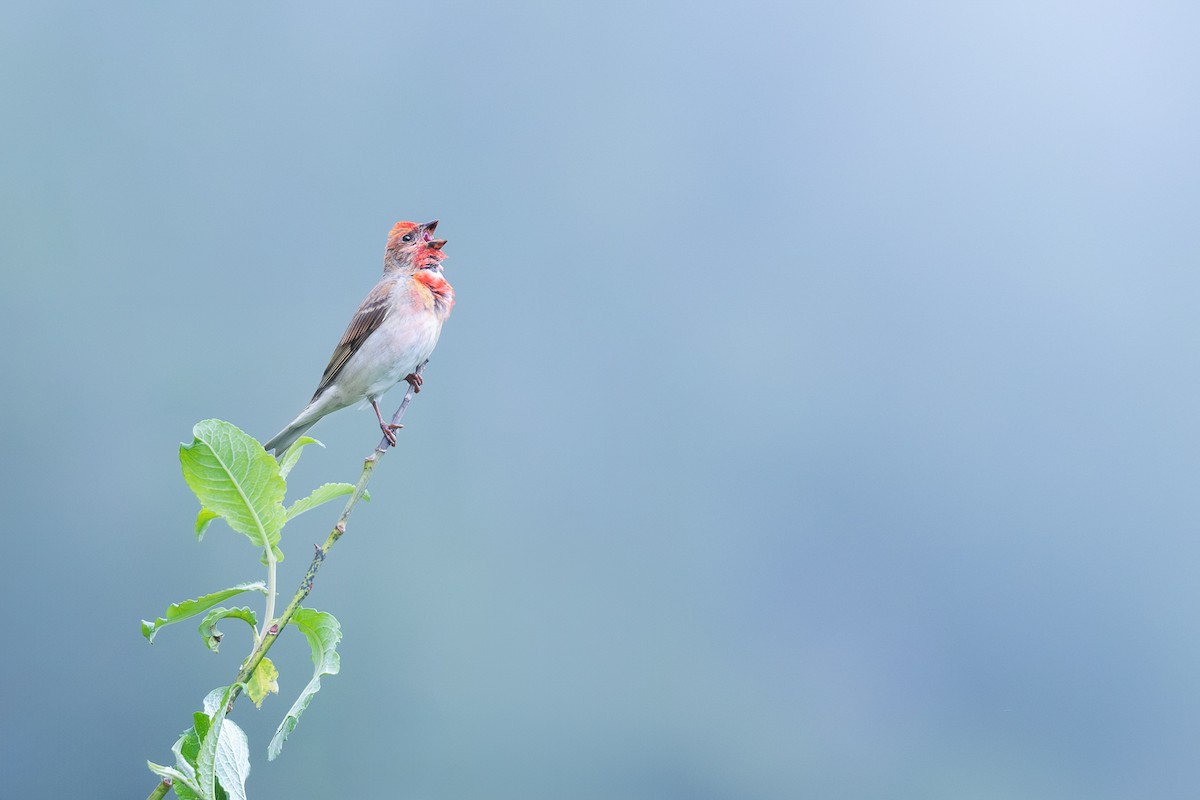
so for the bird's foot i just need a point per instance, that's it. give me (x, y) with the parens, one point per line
(415, 381)
(389, 431)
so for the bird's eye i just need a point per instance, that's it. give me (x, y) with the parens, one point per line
(407, 237)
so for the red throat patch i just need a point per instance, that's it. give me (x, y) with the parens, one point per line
(439, 287)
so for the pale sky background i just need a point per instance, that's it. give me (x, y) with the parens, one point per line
(818, 419)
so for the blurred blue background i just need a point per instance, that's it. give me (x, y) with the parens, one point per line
(818, 417)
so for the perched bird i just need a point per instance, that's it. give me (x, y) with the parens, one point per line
(391, 335)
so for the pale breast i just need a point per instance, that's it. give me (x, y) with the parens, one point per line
(403, 341)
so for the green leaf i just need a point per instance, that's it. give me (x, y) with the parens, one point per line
(186, 749)
(189, 743)
(208, 628)
(235, 479)
(264, 681)
(212, 701)
(233, 760)
(321, 495)
(221, 749)
(278, 555)
(184, 787)
(292, 454)
(190, 608)
(323, 633)
(203, 520)
(186, 792)
(183, 774)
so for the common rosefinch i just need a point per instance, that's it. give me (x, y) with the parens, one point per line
(391, 335)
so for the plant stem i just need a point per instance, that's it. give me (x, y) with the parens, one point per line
(271, 632)
(270, 612)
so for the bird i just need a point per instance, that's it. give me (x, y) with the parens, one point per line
(391, 335)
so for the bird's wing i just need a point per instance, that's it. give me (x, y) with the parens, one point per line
(367, 319)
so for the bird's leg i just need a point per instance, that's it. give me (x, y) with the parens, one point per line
(415, 381)
(389, 428)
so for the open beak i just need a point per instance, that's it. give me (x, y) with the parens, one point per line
(427, 230)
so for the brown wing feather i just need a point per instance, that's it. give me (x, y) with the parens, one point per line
(370, 315)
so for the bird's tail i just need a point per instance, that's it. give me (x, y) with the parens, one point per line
(287, 437)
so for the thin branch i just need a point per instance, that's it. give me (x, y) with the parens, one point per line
(271, 632)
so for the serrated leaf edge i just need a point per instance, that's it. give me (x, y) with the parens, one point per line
(291, 456)
(315, 500)
(264, 538)
(326, 661)
(151, 629)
